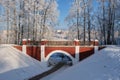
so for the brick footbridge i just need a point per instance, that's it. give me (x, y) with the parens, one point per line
(45, 49)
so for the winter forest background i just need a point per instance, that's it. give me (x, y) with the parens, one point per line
(36, 20)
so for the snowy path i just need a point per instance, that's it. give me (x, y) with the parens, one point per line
(55, 73)
(47, 73)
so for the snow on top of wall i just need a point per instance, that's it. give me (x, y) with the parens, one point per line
(15, 65)
(104, 65)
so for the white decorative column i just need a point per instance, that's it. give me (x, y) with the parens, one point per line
(24, 43)
(95, 49)
(77, 50)
(24, 49)
(77, 53)
(42, 53)
(43, 43)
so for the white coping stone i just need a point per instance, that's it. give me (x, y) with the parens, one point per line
(24, 39)
(76, 40)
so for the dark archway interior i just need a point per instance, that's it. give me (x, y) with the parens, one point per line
(59, 57)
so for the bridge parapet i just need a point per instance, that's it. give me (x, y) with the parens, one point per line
(60, 43)
(45, 48)
(43, 52)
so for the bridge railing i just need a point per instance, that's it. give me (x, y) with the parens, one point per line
(70, 43)
(60, 43)
(81, 43)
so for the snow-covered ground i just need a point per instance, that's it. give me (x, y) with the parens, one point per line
(55, 73)
(15, 65)
(103, 65)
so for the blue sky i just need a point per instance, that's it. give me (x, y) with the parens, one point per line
(63, 6)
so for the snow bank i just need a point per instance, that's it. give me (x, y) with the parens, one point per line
(14, 65)
(104, 65)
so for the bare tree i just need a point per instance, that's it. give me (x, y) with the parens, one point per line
(74, 18)
(108, 20)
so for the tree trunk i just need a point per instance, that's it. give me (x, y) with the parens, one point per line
(15, 26)
(109, 24)
(8, 25)
(113, 22)
(19, 31)
(89, 27)
(78, 32)
(84, 26)
(104, 29)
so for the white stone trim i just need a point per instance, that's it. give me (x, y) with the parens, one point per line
(95, 49)
(42, 53)
(24, 39)
(60, 51)
(76, 40)
(44, 40)
(24, 50)
(77, 53)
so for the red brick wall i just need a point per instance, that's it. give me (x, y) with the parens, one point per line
(18, 47)
(29, 50)
(70, 50)
(86, 52)
(34, 52)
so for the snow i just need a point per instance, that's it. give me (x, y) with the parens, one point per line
(103, 65)
(15, 65)
(24, 39)
(55, 73)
